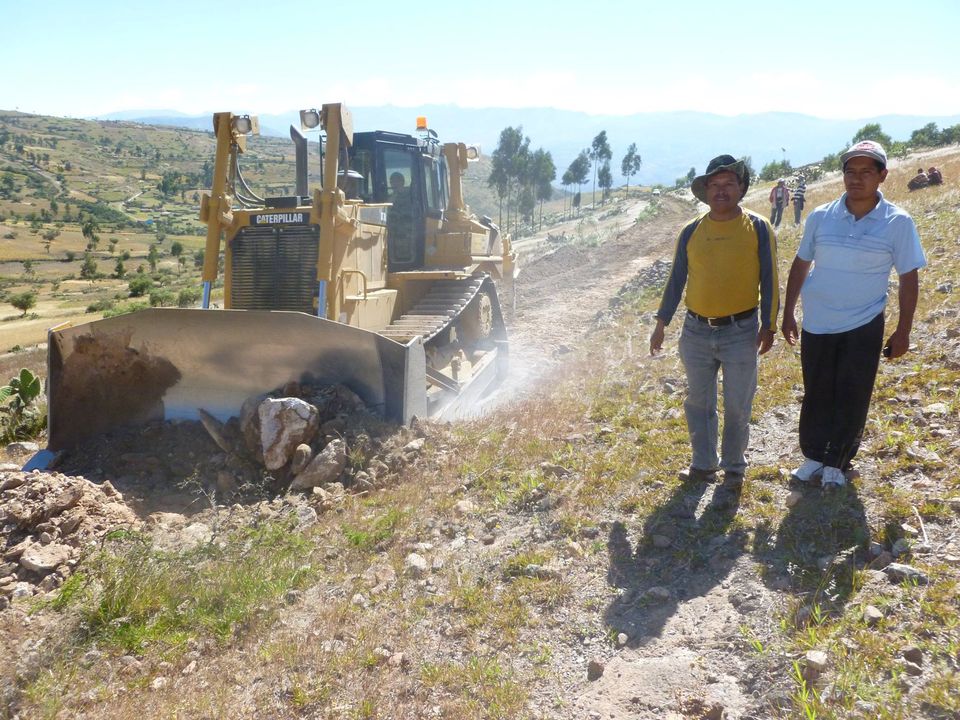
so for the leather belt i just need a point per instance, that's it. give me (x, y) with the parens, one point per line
(724, 320)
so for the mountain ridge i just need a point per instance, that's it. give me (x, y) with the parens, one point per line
(670, 143)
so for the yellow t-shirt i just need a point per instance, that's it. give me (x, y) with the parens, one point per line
(722, 266)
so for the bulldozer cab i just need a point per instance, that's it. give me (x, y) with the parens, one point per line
(411, 175)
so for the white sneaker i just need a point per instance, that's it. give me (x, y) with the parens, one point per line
(808, 471)
(833, 477)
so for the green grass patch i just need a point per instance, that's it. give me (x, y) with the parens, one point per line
(480, 688)
(497, 611)
(375, 531)
(130, 594)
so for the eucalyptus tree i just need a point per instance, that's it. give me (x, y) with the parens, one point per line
(544, 173)
(630, 165)
(566, 180)
(579, 170)
(90, 230)
(599, 152)
(509, 166)
(605, 180)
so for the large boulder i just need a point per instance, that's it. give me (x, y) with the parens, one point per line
(285, 423)
(250, 426)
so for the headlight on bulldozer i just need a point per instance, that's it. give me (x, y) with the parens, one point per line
(246, 124)
(309, 119)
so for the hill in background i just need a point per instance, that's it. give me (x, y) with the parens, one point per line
(670, 143)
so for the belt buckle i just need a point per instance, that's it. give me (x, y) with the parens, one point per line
(715, 322)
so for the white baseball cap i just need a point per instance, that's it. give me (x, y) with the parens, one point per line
(866, 148)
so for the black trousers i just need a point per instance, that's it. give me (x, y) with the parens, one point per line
(839, 370)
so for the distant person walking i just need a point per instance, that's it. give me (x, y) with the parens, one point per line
(727, 261)
(799, 193)
(779, 199)
(852, 243)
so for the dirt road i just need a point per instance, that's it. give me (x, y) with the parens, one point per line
(560, 294)
(605, 222)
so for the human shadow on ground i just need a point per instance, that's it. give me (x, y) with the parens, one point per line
(821, 543)
(683, 550)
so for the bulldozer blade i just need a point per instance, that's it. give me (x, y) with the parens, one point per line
(165, 364)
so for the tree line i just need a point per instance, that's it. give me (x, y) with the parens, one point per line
(523, 178)
(929, 136)
(520, 177)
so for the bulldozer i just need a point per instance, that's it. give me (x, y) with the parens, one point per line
(380, 279)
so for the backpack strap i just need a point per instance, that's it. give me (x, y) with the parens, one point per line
(769, 293)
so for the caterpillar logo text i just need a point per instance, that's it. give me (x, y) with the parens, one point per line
(284, 218)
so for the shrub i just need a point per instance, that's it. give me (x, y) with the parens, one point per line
(24, 301)
(125, 309)
(20, 418)
(775, 169)
(188, 297)
(101, 305)
(162, 298)
(140, 286)
(88, 270)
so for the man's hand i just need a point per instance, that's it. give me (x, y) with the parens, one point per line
(656, 338)
(798, 275)
(898, 343)
(789, 329)
(764, 340)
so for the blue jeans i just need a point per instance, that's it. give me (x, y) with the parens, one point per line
(704, 350)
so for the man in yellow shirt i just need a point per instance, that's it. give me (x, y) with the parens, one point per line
(727, 260)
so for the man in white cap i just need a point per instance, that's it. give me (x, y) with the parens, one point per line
(852, 244)
(727, 260)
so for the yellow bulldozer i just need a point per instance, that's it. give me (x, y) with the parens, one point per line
(381, 279)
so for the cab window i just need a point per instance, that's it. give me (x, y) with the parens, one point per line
(431, 172)
(402, 214)
(362, 162)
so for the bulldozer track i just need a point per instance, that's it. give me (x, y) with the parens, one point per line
(436, 310)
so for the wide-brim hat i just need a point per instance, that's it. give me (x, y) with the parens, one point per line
(721, 163)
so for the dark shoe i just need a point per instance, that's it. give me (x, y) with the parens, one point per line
(732, 480)
(726, 495)
(693, 474)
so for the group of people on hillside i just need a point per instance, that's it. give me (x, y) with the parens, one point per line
(726, 262)
(922, 179)
(781, 196)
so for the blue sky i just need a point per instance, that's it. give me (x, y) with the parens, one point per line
(835, 59)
